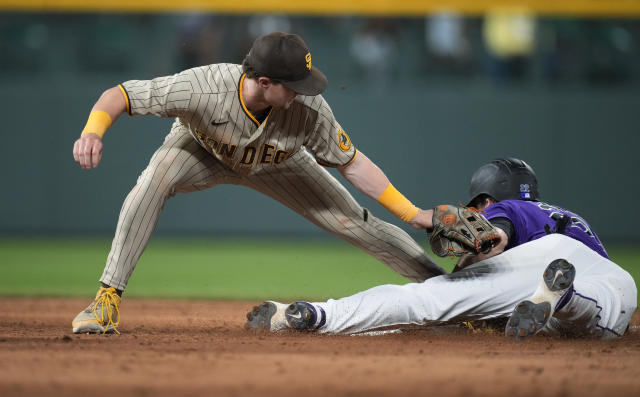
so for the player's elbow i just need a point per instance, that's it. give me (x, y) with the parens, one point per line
(110, 92)
(112, 101)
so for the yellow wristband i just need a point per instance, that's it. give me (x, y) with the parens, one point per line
(98, 123)
(397, 204)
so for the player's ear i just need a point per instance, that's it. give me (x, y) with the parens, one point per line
(487, 202)
(481, 202)
(264, 82)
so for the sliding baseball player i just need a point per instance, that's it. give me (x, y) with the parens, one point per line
(547, 271)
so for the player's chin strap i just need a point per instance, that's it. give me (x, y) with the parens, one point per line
(562, 222)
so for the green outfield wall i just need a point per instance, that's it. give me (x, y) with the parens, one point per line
(570, 108)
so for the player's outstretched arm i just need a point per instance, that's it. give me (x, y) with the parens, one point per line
(365, 176)
(87, 150)
(370, 180)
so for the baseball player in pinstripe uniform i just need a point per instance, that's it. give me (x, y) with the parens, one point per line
(264, 125)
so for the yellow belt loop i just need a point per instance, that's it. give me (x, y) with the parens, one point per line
(98, 123)
(397, 204)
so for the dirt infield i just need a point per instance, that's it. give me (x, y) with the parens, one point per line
(188, 348)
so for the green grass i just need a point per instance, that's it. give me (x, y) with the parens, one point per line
(216, 268)
(194, 268)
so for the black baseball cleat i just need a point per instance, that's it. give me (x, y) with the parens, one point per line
(559, 276)
(301, 316)
(528, 319)
(275, 316)
(530, 316)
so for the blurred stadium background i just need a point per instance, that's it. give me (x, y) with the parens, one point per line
(429, 90)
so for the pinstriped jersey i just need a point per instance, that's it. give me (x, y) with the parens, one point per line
(208, 101)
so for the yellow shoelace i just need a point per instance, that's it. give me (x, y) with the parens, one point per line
(108, 303)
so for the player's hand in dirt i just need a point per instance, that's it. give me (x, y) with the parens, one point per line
(87, 151)
(422, 220)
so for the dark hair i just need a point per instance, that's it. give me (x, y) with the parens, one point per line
(480, 199)
(248, 69)
(254, 74)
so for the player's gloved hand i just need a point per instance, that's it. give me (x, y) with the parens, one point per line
(87, 150)
(458, 231)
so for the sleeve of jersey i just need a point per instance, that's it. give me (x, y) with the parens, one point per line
(504, 210)
(328, 142)
(498, 210)
(167, 96)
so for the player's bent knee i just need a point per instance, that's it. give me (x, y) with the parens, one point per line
(165, 173)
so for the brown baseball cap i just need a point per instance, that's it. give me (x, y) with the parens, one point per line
(286, 58)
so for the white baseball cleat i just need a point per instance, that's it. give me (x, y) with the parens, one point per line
(530, 316)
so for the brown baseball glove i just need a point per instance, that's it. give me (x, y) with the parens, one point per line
(460, 230)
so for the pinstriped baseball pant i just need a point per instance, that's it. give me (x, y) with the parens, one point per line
(181, 165)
